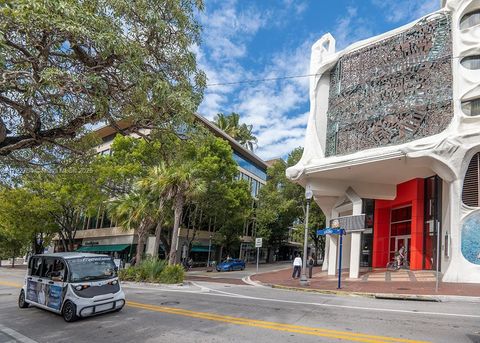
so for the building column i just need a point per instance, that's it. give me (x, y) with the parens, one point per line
(326, 250)
(332, 254)
(356, 241)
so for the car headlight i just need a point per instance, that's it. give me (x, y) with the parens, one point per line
(78, 288)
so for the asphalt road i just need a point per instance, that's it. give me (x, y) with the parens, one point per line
(216, 312)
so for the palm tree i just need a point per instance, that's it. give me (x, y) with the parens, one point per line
(133, 211)
(178, 182)
(155, 184)
(230, 123)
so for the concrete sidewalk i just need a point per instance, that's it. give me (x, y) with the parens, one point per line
(402, 284)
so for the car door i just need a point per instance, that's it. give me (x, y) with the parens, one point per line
(55, 279)
(35, 280)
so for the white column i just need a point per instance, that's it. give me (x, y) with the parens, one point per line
(325, 254)
(326, 250)
(332, 254)
(356, 241)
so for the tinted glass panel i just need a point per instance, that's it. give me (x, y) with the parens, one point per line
(471, 62)
(470, 19)
(247, 165)
(471, 107)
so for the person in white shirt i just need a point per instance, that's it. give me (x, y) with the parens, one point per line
(297, 267)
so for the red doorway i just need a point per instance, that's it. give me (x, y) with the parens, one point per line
(400, 222)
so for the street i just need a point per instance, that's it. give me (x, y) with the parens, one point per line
(217, 312)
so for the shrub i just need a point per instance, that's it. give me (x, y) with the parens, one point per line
(172, 274)
(149, 270)
(127, 274)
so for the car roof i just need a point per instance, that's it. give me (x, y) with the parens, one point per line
(71, 255)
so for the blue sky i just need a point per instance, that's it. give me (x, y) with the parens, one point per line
(248, 40)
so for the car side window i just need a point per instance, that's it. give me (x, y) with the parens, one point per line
(48, 268)
(36, 266)
(58, 273)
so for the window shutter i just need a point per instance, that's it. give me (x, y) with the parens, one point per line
(470, 184)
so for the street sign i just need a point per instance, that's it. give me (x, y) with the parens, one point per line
(330, 231)
(258, 242)
(340, 232)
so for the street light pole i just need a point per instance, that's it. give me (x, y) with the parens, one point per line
(303, 277)
(209, 247)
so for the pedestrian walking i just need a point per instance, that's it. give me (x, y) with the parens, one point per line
(297, 267)
(310, 263)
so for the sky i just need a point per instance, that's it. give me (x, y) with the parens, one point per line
(261, 39)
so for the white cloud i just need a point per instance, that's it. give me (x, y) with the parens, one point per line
(406, 10)
(351, 28)
(275, 108)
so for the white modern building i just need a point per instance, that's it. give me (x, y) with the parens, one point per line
(393, 144)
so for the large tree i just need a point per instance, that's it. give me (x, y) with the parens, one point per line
(282, 206)
(65, 64)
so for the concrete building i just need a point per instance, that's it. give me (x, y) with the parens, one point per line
(393, 144)
(101, 235)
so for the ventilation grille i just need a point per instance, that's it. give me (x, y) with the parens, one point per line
(470, 184)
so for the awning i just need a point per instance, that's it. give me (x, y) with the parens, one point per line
(201, 248)
(103, 248)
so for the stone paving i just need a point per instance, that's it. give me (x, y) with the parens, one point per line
(421, 282)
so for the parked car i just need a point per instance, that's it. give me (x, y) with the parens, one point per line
(231, 264)
(72, 284)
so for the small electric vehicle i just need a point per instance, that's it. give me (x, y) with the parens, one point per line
(72, 284)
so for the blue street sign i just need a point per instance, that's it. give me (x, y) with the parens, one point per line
(330, 231)
(341, 232)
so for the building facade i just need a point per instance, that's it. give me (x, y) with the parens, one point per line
(393, 144)
(99, 234)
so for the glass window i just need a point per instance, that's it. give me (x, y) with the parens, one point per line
(91, 268)
(36, 266)
(470, 19)
(470, 193)
(471, 107)
(471, 62)
(248, 165)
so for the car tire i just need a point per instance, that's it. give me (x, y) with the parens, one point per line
(69, 312)
(21, 300)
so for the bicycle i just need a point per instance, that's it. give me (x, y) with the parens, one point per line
(393, 265)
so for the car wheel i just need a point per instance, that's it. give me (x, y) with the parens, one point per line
(69, 312)
(21, 300)
(243, 268)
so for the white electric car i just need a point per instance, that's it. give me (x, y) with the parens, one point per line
(72, 284)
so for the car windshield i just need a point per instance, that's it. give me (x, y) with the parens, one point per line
(91, 268)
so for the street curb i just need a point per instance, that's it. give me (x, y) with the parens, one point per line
(384, 296)
(134, 284)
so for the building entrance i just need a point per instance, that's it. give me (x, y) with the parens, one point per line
(401, 241)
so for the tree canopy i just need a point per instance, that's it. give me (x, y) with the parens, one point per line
(230, 123)
(65, 64)
(281, 207)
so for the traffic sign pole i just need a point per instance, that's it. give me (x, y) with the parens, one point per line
(340, 263)
(258, 253)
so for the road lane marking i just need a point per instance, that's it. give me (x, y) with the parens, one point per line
(361, 308)
(16, 335)
(10, 284)
(305, 330)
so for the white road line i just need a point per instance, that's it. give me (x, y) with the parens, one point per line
(361, 308)
(249, 281)
(18, 336)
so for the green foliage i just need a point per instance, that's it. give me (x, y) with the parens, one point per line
(282, 206)
(153, 270)
(67, 63)
(230, 123)
(172, 274)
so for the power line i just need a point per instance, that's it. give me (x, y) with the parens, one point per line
(261, 80)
